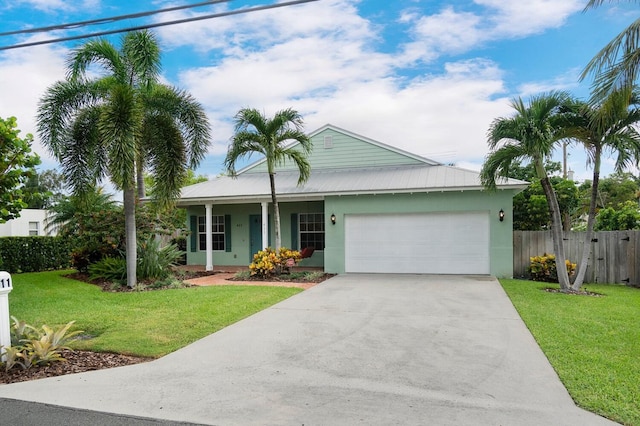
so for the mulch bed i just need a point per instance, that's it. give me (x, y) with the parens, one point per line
(574, 293)
(145, 286)
(285, 278)
(76, 362)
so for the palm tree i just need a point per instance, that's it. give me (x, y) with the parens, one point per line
(532, 134)
(607, 126)
(254, 133)
(617, 65)
(106, 126)
(63, 217)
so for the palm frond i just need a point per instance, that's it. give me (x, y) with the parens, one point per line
(498, 163)
(167, 161)
(189, 117)
(57, 108)
(142, 55)
(120, 125)
(616, 65)
(100, 52)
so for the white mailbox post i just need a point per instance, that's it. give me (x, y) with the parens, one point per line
(5, 324)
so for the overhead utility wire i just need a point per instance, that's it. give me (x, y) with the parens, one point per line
(159, 24)
(109, 20)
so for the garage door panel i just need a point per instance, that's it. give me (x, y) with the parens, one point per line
(437, 243)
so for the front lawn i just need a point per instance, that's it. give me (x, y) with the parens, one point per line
(147, 323)
(592, 342)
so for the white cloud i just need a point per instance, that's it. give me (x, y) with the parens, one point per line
(25, 74)
(521, 18)
(57, 5)
(448, 31)
(453, 30)
(567, 81)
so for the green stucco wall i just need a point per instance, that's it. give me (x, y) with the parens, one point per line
(500, 233)
(333, 257)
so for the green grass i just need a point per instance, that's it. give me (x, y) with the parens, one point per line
(592, 342)
(148, 323)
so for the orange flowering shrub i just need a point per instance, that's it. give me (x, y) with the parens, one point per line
(268, 262)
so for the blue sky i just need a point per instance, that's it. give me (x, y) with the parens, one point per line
(427, 76)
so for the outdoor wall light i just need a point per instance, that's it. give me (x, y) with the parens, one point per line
(501, 215)
(333, 218)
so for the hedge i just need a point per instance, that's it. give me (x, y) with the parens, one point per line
(34, 254)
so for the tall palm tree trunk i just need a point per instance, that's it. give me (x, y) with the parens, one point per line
(276, 210)
(129, 203)
(557, 234)
(140, 179)
(586, 248)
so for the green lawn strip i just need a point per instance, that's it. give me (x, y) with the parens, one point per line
(149, 323)
(593, 343)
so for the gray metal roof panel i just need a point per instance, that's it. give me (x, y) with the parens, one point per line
(420, 178)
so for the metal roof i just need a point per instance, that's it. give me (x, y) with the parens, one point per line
(352, 181)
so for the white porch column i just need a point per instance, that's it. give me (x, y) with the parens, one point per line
(265, 224)
(208, 229)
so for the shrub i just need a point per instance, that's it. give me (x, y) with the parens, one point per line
(32, 347)
(155, 262)
(109, 268)
(181, 243)
(543, 268)
(34, 254)
(267, 262)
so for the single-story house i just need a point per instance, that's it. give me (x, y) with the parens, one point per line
(366, 208)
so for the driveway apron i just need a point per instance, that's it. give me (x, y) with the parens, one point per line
(356, 349)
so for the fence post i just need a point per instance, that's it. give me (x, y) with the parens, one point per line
(5, 325)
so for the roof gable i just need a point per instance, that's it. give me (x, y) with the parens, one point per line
(335, 148)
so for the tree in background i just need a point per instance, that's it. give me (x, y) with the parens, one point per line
(625, 217)
(531, 135)
(17, 165)
(530, 207)
(256, 134)
(66, 216)
(121, 123)
(615, 189)
(44, 189)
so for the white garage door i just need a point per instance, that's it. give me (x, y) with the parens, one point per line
(433, 243)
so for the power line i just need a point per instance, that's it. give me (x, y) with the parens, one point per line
(159, 24)
(109, 20)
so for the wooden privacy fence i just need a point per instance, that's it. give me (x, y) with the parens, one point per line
(615, 255)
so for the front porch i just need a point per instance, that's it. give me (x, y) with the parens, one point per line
(226, 236)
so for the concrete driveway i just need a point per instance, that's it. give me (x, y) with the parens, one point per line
(356, 349)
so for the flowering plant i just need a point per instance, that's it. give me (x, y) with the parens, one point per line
(268, 262)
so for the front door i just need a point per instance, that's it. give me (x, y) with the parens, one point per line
(255, 234)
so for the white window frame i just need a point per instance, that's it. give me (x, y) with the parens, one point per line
(34, 229)
(217, 228)
(318, 220)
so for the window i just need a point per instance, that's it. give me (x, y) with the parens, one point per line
(312, 230)
(34, 228)
(217, 231)
(328, 142)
